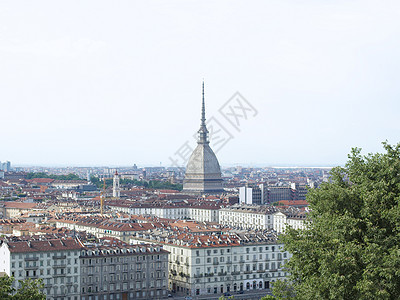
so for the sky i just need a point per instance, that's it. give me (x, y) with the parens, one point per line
(94, 83)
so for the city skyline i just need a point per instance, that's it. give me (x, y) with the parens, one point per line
(98, 84)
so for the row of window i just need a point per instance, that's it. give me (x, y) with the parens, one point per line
(124, 286)
(41, 263)
(125, 259)
(42, 272)
(118, 296)
(125, 276)
(124, 268)
(43, 255)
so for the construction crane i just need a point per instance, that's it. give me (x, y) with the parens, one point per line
(103, 196)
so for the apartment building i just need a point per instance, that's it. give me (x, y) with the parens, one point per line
(202, 212)
(106, 269)
(118, 271)
(291, 218)
(248, 217)
(102, 227)
(217, 263)
(56, 261)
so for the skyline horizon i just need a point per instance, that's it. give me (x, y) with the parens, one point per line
(286, 82)
(225, 166)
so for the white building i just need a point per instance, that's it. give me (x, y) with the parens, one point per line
(295, 220)
(116, 187)
(247, 217)
(55, 261)
(253, 194)
(215, 264)
(201, 213)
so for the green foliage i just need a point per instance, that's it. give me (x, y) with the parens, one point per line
(100, 183)
(29, 289)
(226, 298)
(282, 290)
(268, 297)
(152, 184)
(70, 176)
(351, 250)
(5, 287)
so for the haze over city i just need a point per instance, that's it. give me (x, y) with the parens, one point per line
(96, 83)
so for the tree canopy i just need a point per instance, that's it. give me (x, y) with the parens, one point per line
(70, 176)
(29, 289)
(151, 184)
(351, 249)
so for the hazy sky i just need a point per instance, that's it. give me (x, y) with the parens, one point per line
(119, 82)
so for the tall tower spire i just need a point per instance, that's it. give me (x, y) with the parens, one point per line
(203, 132)
(203, 110)
(203, 173)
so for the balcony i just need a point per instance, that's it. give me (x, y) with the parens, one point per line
(221, 273)
(248, 272)
(198, 275)
(260, 271)
(31, 258)
(229, 262)
(184, 275)
(209, 274)
(235, 273)
(59, 256)
(215, 263)
(31, 267)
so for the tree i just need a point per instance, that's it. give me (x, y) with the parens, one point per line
(351, 248)
(29, 289)
(226, 297)
(281, 291)
(70, 176)
(5, 287)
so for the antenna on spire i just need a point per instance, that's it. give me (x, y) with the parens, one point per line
(203, 132)
(203, 109)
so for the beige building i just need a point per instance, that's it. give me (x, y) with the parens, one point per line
(215, 264)
(295, 220)
(248, 217)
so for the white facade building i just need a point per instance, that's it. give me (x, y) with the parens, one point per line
(55, 261)
(116, 187)
(198, 213)
(284, 219)
(210, 264)
(247, 217)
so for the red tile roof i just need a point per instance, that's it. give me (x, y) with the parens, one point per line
(41, 180)
(44, 246)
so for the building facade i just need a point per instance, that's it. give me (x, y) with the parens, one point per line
(215, 264)
(253, 194)
(248, 217)
(295, 220)
(55, 261)
(121, 272)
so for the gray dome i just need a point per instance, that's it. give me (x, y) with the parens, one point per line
(203, 161)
